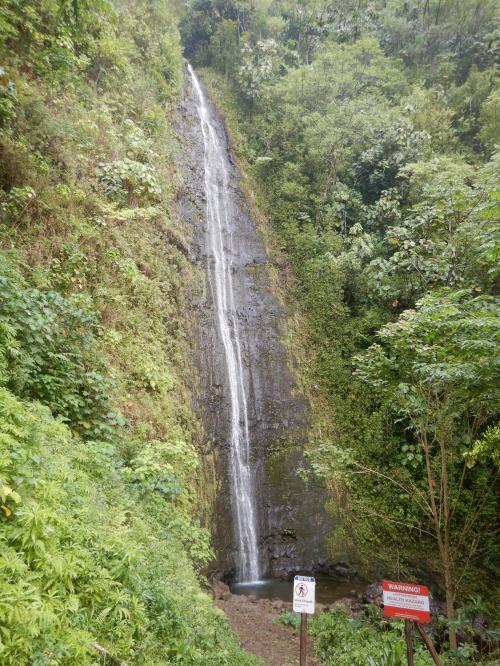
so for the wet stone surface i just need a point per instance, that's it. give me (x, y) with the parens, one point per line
(292, 521)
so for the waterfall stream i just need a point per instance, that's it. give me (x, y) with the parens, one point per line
(219, 207)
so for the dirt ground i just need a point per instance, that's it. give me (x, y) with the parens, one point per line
(255, 622)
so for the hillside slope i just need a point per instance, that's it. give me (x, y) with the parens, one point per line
(99, 527)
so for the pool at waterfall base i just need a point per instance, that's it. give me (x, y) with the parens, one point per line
(328, 589)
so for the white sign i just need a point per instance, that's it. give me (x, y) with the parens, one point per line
(303, 594)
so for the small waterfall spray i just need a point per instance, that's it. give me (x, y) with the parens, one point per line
(218, 215)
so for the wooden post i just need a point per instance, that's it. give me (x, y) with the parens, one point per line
(429, 644)
(303, 639)
(409, 642)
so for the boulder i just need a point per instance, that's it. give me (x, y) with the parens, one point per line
(436, 606)
(351, 606)
(221, 590)
(342, 571)
(480, 625)
(373, 595)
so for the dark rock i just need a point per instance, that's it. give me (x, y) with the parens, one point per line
(480, 625)
(373, 594)
(341, 571)
(436, 606)
(351, 606)
(221, 590)
(480, 622)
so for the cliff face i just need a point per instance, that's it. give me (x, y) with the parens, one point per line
(291, 521)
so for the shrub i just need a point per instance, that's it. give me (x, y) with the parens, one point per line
(128, 181)
(83, 559)
(48, 346)
(345, 641)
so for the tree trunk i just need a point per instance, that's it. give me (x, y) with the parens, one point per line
(447, 559)
(442, 535)
(450, 596)
(438, 10)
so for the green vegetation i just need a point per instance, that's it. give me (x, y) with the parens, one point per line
(369, 639)
(343, 640)
(100, 532)
(368, 131)
(366, 641)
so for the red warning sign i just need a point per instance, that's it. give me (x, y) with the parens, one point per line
(406, 601)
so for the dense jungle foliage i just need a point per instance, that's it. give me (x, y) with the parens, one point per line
(368, 131)
(100, 538)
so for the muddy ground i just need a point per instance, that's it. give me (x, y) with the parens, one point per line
(255, 622)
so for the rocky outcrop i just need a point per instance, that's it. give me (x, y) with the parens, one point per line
(292, 521)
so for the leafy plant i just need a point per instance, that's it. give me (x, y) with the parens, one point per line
(291, 620)
(340, 639)
(48, 350)
(130, 181)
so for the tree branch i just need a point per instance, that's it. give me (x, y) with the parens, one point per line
(107, 655)
(426, 507)
(399, 522)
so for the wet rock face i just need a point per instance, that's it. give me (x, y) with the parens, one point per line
(292, 521)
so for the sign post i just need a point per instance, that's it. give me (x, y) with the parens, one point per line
(303, 639)
(429, 644)
(304, 588)
(409, 642)
(409, 602)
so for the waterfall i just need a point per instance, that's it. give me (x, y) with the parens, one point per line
(219, 206)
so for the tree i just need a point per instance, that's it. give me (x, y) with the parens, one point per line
(437, 370)
(259, 62)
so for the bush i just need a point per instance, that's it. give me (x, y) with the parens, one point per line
(83, 559)
(129, 181)
(344, 641)
(49, 348)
